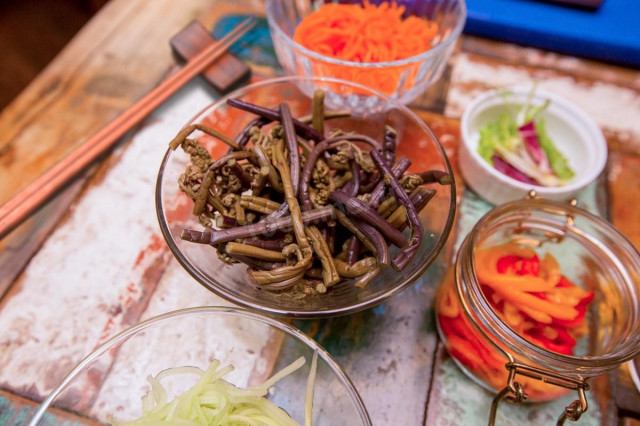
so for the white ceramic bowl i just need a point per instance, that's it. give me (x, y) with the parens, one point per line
(573, 132)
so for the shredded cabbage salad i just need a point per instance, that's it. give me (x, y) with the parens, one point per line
(520, 147)
(215, 402)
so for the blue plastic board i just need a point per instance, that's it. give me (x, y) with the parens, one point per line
(610, 33)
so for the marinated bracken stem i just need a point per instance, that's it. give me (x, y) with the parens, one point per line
(317, 117)
(264, 161)
(360, 210)
(184, 133)
(253, 251)
(404, 257)
(305, 131)
(433, 176)
(354, 229)
(382, 249)
(292, 146)
(263, 228)
(203, 193)
(287, 276)
(330, 275)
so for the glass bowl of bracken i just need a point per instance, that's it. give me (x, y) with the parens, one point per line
(415, 144)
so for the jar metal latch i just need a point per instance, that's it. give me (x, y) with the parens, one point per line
(514, 391)
(532, 195)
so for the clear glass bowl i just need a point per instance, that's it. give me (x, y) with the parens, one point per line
(415, 140)
(591, 254)
(401, 80)
(110, 381)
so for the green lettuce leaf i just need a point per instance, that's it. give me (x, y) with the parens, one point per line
(503, 132)
(486, 146)
(557, 161)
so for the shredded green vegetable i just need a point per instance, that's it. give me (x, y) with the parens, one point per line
(215, 402)
(308, 403)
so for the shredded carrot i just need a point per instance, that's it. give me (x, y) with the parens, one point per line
(367, 33)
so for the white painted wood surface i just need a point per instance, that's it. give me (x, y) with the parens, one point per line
(88, 280)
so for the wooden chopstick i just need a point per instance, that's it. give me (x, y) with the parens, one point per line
(23, 204)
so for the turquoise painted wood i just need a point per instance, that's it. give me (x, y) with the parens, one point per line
(14, 414)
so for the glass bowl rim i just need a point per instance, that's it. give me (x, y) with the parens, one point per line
(302, 314)
(216, 310)
(498, 328)
(435, 50)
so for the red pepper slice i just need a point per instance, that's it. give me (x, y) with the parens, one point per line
(517, 265)
(577, 321)
(460, 327)
(561, 348)
(551, 345)
(463, 352)
(463, 330)
(507, 264)
(587, 299)
(563, 336)
(538, 294)
(488, 293)
(446, 324)
(530, 266)
(566, 282)
(563, 343)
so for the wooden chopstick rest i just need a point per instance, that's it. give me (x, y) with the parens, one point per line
(226, 74)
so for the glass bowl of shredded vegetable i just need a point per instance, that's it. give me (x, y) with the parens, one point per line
(207, 365)
(516, 139)
(278, 202)
(397, 48)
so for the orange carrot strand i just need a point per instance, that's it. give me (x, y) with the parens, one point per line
(366, 33)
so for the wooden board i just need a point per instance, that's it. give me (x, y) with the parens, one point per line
(115, 59)
(92, 80)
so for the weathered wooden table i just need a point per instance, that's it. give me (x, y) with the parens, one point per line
(92, 261)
